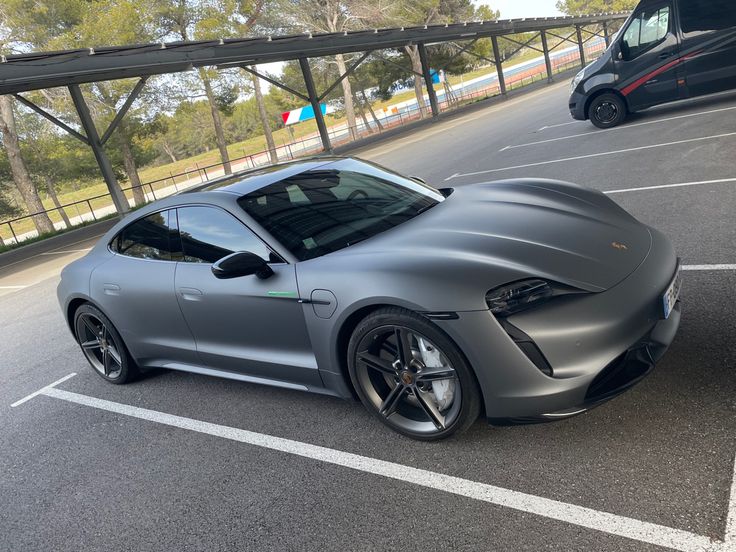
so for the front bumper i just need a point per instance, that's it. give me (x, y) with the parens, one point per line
(577, 106)
(598, 345)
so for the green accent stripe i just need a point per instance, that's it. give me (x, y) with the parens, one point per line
(282, 293)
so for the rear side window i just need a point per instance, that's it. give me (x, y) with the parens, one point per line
(147, 238)
(208, 234)
(649, 27)
(707, 15)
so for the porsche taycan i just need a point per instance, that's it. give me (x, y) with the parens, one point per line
(519, 300)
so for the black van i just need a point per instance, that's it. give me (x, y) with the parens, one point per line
(667, 50)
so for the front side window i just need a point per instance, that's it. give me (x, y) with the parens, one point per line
(648, 28)
(707, 15)
(146, 238)
(320, 211)
(208, 234)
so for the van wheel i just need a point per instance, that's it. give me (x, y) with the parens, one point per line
(607, 111)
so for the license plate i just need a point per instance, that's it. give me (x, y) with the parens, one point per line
(673, 292)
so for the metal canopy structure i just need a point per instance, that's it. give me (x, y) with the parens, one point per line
(70, 68)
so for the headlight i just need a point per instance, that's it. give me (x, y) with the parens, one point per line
(578, 78)
(512, 298)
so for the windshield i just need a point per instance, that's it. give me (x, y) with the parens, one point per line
(330, 208)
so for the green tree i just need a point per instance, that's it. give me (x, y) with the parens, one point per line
(10, 142)
(426, 12)
(203, 20)
(584, 7)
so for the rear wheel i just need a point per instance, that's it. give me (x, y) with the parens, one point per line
(102, 345)
(607, 111)
(411, 376)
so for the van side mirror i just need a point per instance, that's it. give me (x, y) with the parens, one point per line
(241, 263)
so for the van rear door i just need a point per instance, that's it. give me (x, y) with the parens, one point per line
(647, 58)
(708, 45)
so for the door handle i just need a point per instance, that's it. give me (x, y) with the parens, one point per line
(190, 294)
(665, 55)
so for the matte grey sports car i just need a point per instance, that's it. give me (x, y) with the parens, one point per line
(528, 300)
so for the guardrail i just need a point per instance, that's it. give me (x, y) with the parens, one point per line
(94, 208)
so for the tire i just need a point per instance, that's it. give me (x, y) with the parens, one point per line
(607, 110)
(102, 345)
(428, 394)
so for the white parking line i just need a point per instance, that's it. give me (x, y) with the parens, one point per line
(625, 127)
(730, 538)
(42, 390)
(13, 287)
(709, 267)
(700, 183)
(613, 524)
(589, 156)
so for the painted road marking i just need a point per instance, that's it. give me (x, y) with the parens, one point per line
(13, 287)
(560, 125)
(625, 127)
(700, 183)
(589, 156)
(710, 267)
(42, 390)
(652, 533)
(442, 126)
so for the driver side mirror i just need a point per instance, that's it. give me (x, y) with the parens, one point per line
(241, 263)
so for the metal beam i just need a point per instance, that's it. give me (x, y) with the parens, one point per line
(563, 39)
(314, 101)
(606, 36)
(118, 198)
(526, 44)
(347, 73)
(547, 60)
(36, 70)
(499, 66)
(124, 109)
(581, 45)
(48, 116)
(275, 82)
(454, 56)
(428, 79)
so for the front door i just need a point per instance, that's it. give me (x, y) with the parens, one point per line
(246, 325)
(648, 57)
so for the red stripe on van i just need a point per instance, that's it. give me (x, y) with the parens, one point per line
(636, 84)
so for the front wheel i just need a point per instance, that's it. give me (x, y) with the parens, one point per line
(607, 111)
(411, 376)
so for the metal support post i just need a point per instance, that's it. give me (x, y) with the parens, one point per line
(118, 198)
(428, 79)
(547, 60)
(581, 45)
(314, 101)
(606, 36)
(499, 65)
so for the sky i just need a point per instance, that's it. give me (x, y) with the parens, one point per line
(511, 9)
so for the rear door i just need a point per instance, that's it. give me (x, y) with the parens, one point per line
(708, 45)
(647, 59)
(246, 325)
(135, 289)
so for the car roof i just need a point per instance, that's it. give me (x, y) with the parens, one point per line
(248, 181)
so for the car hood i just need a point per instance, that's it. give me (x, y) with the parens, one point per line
(526, 228)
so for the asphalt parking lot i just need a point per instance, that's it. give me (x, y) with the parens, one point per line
(184, 462)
